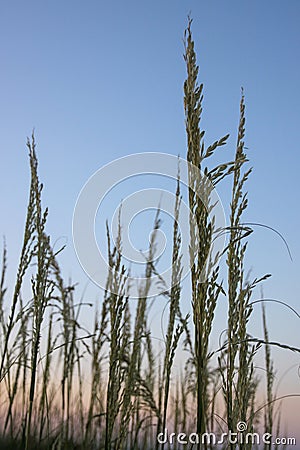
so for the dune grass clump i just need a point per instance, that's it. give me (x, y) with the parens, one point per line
(112, 387)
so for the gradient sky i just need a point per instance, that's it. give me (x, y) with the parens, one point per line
(101, 80)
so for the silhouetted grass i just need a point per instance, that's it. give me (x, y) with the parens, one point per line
(133, 392)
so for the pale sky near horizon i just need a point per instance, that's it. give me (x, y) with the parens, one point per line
(101, 80)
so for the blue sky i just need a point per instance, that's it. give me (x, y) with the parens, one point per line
(101, 80)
